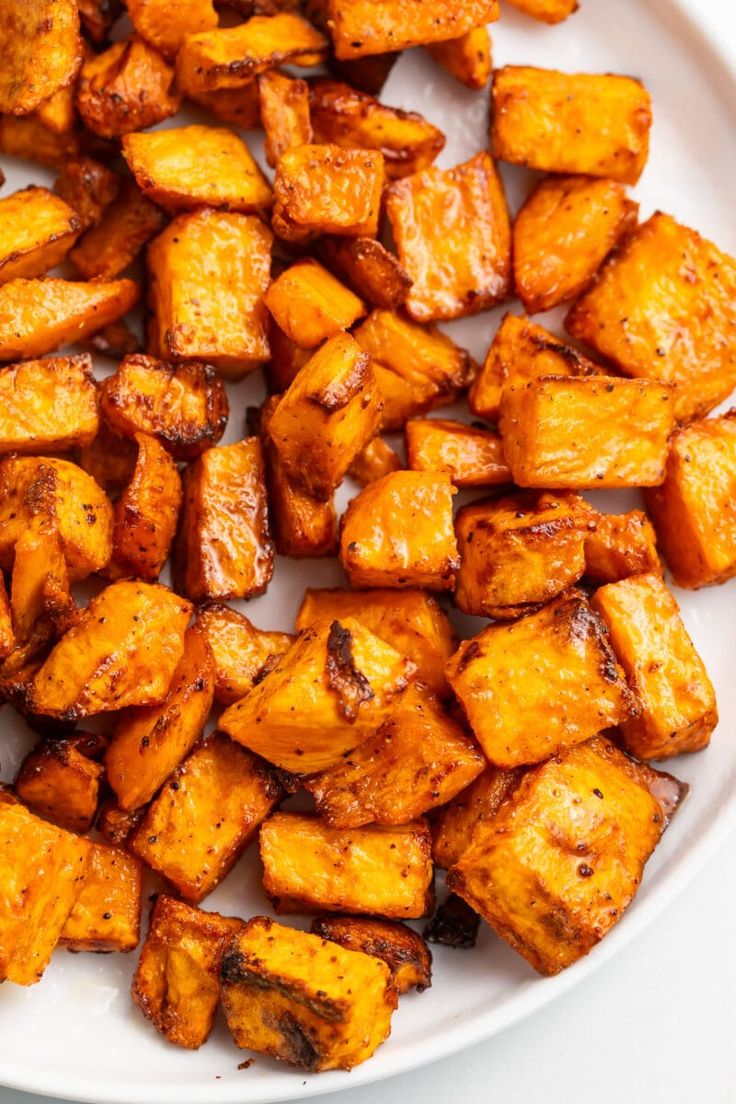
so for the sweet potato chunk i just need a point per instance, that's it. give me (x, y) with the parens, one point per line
(677, 705)
(310, 305)
(130, 221)
(242, 653)
(155, 21)
(176, 983)
(114, 341)
(619, 545)
(107, 913)
(355, 120)
(126, 88)
(368, 267)
(362, 27)
(122, 651)
(7, 637)
(472, 457)
(284, 111)
(42, 51)
(323, 189)
(146, 513)
(207, 274)
(467, 58)
(40, 598)
(37, 316)
(563, 858)
(597, 432)
(458, 266)
(62, 785)
(37, 230)
(562, 235)
(404, 951)
(303, 999)
(456, 823)
(116, 825)
(98, 16)
(197, 166)
(196, 829)
(109, 459)
(88, 187)
(58, 112)
(47, 405)
(398, 533)
(547, 11)
(543, 683)
(34, 905)
(26, 137)
(286, 359)
(597, 124)
(374, 460)
(662, 307)
(238, 106)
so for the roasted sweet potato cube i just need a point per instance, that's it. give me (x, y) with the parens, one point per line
(238, 106)
(40, 597)
(456, 822)
(677, 704)
(374, 460)
(547, 11)
(176, 983)
(37, 316)
(472, 457)
(47, 405)
(355, 120)
(619, 545)
(597, 124)
(7, 637)
(458, 266)
(106, 915)
(323, 189)
(362, 27)
(224, 547)
(207, 274)
(156, 23)
(122, 651)
(664, 282)
(42, 873)
(303, 999)
(116, 825)
(62, 785)
(24, 136)
(555, 869)
(284, 112)
(146, 513)
(467, 58)
(404, 951)
(540, 684)
(126, 88)
(109, 459)
(242, 653)
(205, 816)
(42, 51)
(197, 166)
(130, 221)
(310, 305)
(603, 431)
(562, 235)
(398, 533)
(369, 268)
(37, 230)
(88, 187)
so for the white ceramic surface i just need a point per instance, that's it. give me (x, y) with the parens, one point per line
(76, 1034)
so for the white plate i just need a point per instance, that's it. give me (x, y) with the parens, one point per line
(76, 1034)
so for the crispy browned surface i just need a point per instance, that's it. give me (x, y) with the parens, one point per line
(42, 51)
(368, 73)
(146, 513)
(547, 11)
(323, 189)
(242, 653)
(619, 545)
(126, 88)
(115, 825)
(284, 112)
(454, 924)
(472, 457)
(404, 951)
(466, 58)
(62, 785)
(115, 341)
(127, 223)
(456, 822)
(165, 29)
(109, 459)
(374, 460)
(309, 304)
(47, 405)
(369, 268)
(88, 187)
(37, 230)
(107, 913)
(361, 27)
(41, 603)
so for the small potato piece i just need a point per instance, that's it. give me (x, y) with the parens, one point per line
(37, 316)
(517, 553)
(302, 999)
(122, 651)
(197, 166)
(224, 547)
(598, 432)
(355, 120)
(456, 822)
(7, 638)
(60, 784)
(205, 816)
(458, 266)
(58, 112)
(88, 187)
(664, 282)
(369, 74)
(471, 456)
(310, 305)
(596, 124)
(547, 11)
(693, 510)
(107, 913)
(116, 825)
(26, 137)
(40, 599)
(323, 189)
(619, 545)
(130, 221)
(374, 460)
(42, 51)
(540, 684)
(146, 513)
(562, 235)
(377, 870)
(156, 23)
(362, 27)
(404, 951)
(37, 230)
(677, 703)
(176, 983)
(284, 112)
(242, 653)
(368, 267)
(398, 533)
(114, 341)
(34, 905)
(126, 88)
(207, 274)
(467, 58)
(238, 106)
(47, 405)
(109, 459)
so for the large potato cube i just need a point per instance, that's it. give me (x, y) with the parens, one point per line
(471, 456)
(310, 305)
(106, 915)
(403, 950)
(47, 405)
(242, 654)
(37, 230)
(456, 822)
(361, 27)
(61, 784)
(323, 189)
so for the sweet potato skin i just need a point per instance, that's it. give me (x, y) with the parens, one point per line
(242, 653)
(47, 405)
(62, 785)
(284, 111)
(403, 950)
(361, 27)
(37, 230)
(127, 87)
(106, 915)
(310, 305)
(456, 822)
(43, 52)
(472, 457)
(323, 189)
(466, 58)
(369, 268)
(106, 249)
(146, 513)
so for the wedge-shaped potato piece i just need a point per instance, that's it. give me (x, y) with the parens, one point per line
(109, 459)
(619, 545)
(597, 124)
(146, 513)
(126, 88)
(242, 654)
(547, 11)
(323, 189)
(43, 870)
(116, 825)
(47, 405)
(374, 460)
(40, 597)
(122, 651)
(302, 999)
(456, 822)
(59, 783)
(458, 267)
(355, 120)
(562, 235)
(404, 951)
(663, 282)
(541, 684)
(149, 742)
(37, 316)
(156, 23)
(224, 547)
(197, 166)
(37, 230)
(467, 58)
(369, 268)
(105, 250)
(693, 509)
(176, 984)
(284, 111)
(417, 367)
(88, 187)
(398, 533)
(205, 816)
(106, 915)
(7, 637)
(42, 51)
(310, 305)
(362, 27)
(677, 704)
(599, 432)
(207, 274)
(28, 138)
(473, 457)
(564, 857)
